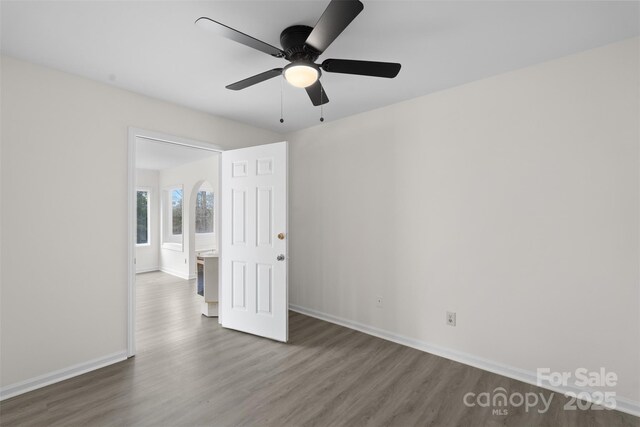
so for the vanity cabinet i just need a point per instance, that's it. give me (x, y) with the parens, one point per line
(207, 282)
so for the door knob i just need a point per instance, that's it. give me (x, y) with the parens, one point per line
(281, 236)
(280, 257)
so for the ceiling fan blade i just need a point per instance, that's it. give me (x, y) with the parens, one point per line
(258, 78)
(336, 17)
(362, 68)
(317, 94)
(237, 36)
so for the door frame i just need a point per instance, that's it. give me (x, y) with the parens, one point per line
(131, 214)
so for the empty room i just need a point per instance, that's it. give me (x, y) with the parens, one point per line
(319, 212)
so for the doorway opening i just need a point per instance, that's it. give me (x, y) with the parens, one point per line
(174, 226)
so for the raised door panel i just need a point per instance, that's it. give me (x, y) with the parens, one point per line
(264, 216)
(264, 289)
(238, 217)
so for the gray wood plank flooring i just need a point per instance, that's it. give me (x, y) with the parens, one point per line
(191, 372)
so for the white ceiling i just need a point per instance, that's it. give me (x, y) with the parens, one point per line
(155, 49)
(160, 155)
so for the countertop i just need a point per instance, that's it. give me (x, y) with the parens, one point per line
(208, 254)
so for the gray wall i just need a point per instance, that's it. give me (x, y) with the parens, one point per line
(64, 211)
(512, 201)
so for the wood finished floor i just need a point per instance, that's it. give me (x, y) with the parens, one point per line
(189, 371)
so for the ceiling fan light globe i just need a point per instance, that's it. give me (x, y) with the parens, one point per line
(301, 75)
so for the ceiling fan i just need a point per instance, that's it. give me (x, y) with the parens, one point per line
(301, 46)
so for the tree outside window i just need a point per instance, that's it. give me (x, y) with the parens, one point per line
(204, 212)
(176, 212)
(142, 208)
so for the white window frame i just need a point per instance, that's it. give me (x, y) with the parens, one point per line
(148, 191)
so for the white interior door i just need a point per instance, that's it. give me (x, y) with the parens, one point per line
(253, 255)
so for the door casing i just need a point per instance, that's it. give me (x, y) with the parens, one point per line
(135, 133)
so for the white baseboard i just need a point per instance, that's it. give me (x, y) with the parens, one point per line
(60, 375)
(147, 270)
(622, 404)
(176, 273)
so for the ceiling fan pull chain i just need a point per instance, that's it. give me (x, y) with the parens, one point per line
(281, 100)
(321, 106)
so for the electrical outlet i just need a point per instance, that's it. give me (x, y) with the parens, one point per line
(379, 302)
(451, 318)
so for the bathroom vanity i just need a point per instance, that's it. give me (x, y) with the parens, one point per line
(207, 281)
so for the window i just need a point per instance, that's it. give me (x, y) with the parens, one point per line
(204, 212)
(176, 212)
(142, 213)
(171, 219)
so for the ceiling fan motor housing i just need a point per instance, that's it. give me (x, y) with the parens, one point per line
(293, 41)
